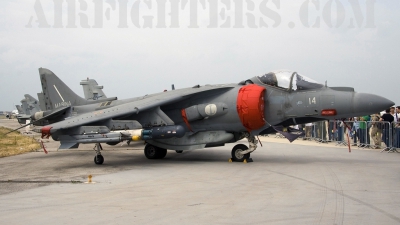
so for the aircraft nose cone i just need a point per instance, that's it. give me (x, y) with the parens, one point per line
(366, 104)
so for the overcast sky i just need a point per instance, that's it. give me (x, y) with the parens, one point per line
(354, 43)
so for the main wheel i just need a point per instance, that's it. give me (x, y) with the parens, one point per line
(98, 159)
(150, 151)
(153, 152)
(236, 153)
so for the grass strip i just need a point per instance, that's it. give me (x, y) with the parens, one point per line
(16, 143)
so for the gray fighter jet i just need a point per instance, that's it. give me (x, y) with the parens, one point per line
(200, 116)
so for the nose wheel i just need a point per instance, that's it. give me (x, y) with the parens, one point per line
(237, 153)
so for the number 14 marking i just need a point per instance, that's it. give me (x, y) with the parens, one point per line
(312, 101)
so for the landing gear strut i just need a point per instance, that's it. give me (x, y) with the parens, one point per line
(153, 152)
(98, 159)
(252, 143)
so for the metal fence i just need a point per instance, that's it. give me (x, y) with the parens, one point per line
(363, 134)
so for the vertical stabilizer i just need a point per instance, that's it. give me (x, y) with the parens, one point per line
(33, 104)
(25, 107)
(19, 109)
(42, 105)
(56, 93)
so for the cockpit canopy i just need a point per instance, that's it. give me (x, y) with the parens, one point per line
(292, 81)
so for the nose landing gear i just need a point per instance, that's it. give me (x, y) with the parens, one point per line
(241, 152)
(237, 153)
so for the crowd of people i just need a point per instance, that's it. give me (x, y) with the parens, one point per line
(364, 131)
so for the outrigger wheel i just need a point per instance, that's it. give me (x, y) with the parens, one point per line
(236, 153)
(153, 152)
(98, 159)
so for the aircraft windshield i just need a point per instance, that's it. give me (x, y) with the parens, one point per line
(289, 80)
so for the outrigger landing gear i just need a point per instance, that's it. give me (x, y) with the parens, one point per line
(153, 152)
(98, 159)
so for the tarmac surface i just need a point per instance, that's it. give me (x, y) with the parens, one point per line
(299, 183)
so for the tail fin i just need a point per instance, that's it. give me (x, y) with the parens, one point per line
(25, 107)
(33, 104)
(42, 104)
(56, 92)
(19, 109)
(92, 90)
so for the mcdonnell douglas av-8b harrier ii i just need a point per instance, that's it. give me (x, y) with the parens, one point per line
(202, 116)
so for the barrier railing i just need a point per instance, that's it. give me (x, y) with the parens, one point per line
(364, 137)
(363, 134)
(321, 132)
(396, 134)
(386, 129)
(340, 130)
(395, 137)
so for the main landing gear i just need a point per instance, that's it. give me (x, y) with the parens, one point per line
(98, 159)
(153, 152)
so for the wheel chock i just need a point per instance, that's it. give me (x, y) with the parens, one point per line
(230, 160)
(90, 180)
(247, 160)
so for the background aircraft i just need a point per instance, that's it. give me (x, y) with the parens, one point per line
(29, 106)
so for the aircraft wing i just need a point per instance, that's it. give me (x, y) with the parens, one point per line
(136, 106)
